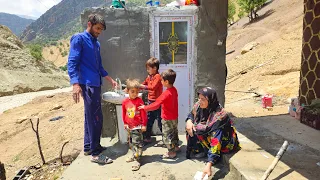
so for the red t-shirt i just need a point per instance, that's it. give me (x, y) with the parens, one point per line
(154, 86)
(131, 115)
(169, 101)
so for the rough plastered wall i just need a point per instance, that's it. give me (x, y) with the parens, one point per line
(125, 48)
(211, 46)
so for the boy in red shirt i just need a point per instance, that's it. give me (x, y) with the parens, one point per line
(154, 87)
(135, 122)
(169, 113)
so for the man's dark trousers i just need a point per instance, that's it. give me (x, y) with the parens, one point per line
(93, 118)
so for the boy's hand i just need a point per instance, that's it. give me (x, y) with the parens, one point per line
(143, 128)
(126, 126)
(141, 107)
(142, 86)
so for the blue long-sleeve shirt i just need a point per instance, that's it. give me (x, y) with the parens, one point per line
(84, 62)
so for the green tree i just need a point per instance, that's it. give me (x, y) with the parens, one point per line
(35, 51)
(231, 11)
(250, 7)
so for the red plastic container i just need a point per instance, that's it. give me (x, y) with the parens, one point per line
(266, 101)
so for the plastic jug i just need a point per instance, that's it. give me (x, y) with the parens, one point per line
(267, 101)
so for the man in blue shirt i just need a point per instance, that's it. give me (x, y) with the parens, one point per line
(85, 70)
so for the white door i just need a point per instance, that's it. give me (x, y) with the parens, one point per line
(172, 43)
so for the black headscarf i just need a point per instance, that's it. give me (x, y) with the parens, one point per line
(213, 104)
(206, 119)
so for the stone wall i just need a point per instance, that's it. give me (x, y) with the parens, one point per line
(125, 48)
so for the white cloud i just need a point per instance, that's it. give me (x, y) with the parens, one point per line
(27, 7)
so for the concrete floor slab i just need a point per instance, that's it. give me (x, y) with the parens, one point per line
(153, 167)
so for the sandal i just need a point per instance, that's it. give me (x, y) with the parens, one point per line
(100, 148)
(130, 159)
(102, 159)
(135, 166)
(167, 156)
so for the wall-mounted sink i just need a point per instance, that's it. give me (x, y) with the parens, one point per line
(116, 98)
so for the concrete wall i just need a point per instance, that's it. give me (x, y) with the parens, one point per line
(211, 31)
(125, 48)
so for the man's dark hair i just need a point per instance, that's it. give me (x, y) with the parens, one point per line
(169, 75)
(97, 19)
(153, 62)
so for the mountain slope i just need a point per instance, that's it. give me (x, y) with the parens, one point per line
(20, 72)
(273, 66)
(60, 21)
(15, 23)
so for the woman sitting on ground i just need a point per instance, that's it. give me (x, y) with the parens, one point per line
(209, 129)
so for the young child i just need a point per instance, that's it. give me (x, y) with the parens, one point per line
(154, 87)
(135, 122)
(169, 113)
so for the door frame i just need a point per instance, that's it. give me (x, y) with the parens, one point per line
(189, 14)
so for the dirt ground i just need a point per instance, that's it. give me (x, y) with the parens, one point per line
(18, 141)
(272, 67)
(54, 53)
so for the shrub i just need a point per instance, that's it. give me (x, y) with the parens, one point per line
(231, 11)
(36, 51)
(64, 68)
(51, 51)
(53, 43)
(64, 53)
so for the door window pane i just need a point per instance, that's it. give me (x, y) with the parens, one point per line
(173, 37)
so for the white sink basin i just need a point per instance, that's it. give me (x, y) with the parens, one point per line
(115, 98)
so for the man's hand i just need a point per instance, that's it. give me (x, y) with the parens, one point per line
(190, 128)
(126, 126)
(77, 92)
(143, 128)
(207, 170)
(113, 83)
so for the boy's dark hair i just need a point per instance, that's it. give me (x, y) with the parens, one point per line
(169, 75)
(132, 83)
(97, 19)
(153, 62)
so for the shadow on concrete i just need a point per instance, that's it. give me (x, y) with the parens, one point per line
(299, 157)
(117, 150)
(284, 174)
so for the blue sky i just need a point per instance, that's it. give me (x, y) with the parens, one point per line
(33, 8)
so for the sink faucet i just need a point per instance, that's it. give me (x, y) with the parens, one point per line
(120, 86)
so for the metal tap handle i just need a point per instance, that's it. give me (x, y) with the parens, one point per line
(120, 86)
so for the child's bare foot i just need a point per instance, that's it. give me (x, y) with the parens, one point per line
(169, 155)
(129, 159)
